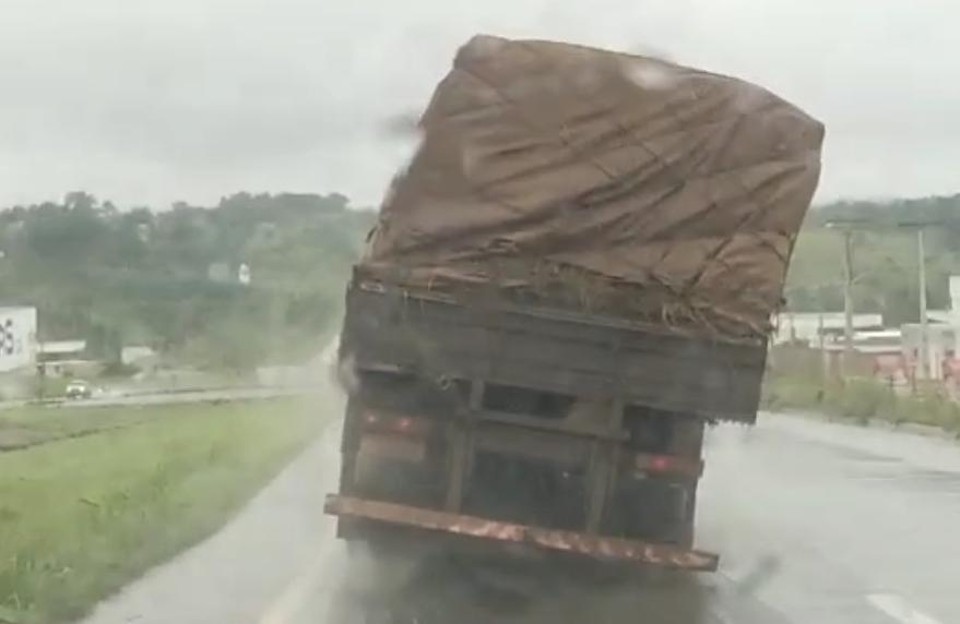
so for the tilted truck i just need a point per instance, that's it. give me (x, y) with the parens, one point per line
(576, 273)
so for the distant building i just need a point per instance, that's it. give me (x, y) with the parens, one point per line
(138, 355)
(18, 338)
(55, 350)
(892, 354)
(225, 273)
(219, 272)
(807, 327)
(65, 357)
(943, 340)
(243, 274)
(941, 347)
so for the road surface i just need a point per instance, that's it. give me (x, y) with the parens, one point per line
(817, 523)
(162, 398)
(191, 396)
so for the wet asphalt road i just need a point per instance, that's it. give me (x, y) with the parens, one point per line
(816, 523)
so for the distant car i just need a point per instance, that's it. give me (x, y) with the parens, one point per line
(78, 389)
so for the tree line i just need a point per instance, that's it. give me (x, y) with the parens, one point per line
(885, 260)
(168, 279)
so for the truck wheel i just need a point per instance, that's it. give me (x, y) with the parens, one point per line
(348, 472)
(685, 533)
(686, 529)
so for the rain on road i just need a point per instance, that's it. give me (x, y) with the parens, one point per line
(816, 522)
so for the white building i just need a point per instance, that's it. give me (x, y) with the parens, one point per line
(807, 326)
(18, 338)
(942, 339)
(54, 350)
(66, 357)
(138, 355)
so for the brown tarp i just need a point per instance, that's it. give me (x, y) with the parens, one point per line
(609, 181)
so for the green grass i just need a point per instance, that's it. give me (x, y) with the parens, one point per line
(33, 425)
(81, 517)
(860, 400)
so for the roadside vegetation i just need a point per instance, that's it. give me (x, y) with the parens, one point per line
(860, 401)
(170, 279)
(82, 516)
(884, 257)
(885, 282)
(92, 497)
(33, 425)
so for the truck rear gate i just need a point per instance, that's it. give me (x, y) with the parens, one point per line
(429, 409)
(553, 350)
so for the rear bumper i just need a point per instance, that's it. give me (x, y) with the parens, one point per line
(612, 548)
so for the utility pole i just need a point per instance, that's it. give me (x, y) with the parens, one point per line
(847, 302)
(924, 368)
(41, 380)
(820, 346)
(846, 229)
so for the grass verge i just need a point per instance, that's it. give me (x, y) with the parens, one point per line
(81, 517)
(32, 425)
(860, 401)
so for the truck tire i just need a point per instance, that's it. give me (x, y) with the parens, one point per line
(686, 529)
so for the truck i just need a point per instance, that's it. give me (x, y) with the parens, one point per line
(574, 276)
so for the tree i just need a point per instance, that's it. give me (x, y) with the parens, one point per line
(104, 343)
(79, 200)
(102, 274)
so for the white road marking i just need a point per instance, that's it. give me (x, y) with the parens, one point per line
(899, 609)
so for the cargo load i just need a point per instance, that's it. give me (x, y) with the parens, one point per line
(605, 182)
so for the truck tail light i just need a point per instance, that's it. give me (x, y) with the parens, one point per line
(397, 423)
(660, 463)
(669, 464)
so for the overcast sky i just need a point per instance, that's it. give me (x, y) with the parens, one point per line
(150, 101)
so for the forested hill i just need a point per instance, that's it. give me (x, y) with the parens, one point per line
(170, 278)
(885, 256)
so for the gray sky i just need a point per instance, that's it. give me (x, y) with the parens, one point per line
(146, 102)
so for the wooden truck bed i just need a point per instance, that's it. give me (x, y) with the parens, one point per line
(508, 424)
(553, 351)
